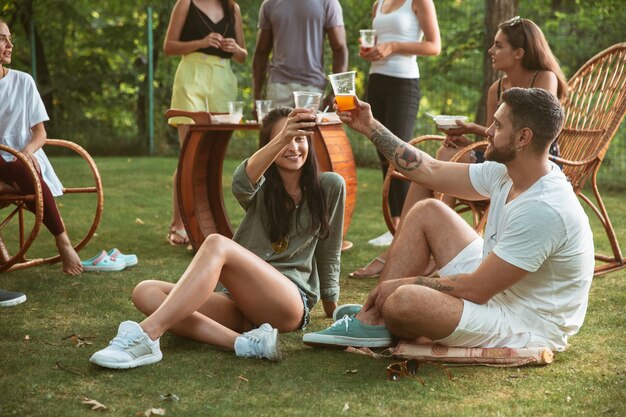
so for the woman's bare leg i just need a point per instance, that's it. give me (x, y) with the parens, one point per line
(69, 257)
(177, 220)
(258, 291)
(149, 295)
(416, 193)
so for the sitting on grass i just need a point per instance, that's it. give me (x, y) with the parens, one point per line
(525, 285)
(283, 259)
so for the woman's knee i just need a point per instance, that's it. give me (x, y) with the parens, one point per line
(146, 293)
(214, 245)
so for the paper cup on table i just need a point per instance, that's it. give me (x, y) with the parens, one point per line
(262, 108)
(344, 89)
(235, 110)
(367, 38)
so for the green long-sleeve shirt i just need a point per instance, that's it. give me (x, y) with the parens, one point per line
(312, 264)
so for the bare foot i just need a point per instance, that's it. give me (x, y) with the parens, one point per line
(69, 257)
(371, 270)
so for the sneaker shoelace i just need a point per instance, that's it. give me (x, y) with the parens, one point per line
(124, 340)
(345, 320)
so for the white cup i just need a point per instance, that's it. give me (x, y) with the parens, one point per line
(262, 108)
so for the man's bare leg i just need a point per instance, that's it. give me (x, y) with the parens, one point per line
(430, 229)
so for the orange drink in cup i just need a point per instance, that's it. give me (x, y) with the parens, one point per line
(343, 87)
(346, 102)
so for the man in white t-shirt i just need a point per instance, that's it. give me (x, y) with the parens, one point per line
(526, 284)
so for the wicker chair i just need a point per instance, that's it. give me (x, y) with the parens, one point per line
(594, 109)
(17, 233)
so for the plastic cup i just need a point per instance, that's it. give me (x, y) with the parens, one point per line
(367, 38)
(307, 100)
(235, 110)
(262, 108)
(343, 87)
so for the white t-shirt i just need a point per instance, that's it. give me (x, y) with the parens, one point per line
(400, 25)
(546, 232)
(21, 108)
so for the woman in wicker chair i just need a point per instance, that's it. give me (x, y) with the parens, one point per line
(22, 114)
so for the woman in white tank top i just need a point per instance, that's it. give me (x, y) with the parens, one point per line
(405, 29)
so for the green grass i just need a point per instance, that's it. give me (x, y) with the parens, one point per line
(48, 375)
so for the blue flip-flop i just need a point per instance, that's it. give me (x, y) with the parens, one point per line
(130, 259)
(103, 262)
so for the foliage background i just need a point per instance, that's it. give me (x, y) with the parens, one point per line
(92, 65)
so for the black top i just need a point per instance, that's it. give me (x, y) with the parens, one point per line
(198, 25)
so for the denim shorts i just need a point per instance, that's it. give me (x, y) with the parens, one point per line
(306, 311)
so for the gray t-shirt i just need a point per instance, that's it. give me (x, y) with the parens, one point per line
(312, 264)
(298, 28)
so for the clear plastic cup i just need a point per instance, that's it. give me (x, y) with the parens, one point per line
(262, 108)
(344, 89)
(307, 100)
(367, 38)
(235, 110)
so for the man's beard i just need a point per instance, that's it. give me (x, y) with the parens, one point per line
(500, 155)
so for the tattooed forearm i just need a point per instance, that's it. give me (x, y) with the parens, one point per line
(404, 156)
(433, 283)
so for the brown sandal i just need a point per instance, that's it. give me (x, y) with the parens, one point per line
(359, 273)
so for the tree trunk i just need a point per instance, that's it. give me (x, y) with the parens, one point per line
(496, 11)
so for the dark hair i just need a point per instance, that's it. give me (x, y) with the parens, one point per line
(525, 34)
(538, 110)
(278, 204)
(229, 10)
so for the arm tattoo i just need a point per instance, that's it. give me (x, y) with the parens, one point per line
(433, 283)
(403, 156)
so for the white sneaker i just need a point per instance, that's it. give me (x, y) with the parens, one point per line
(259, 343)
(383, 240)
(131, 347)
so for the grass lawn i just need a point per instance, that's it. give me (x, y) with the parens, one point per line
(45, 372)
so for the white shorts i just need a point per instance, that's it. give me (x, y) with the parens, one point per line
(491, 324)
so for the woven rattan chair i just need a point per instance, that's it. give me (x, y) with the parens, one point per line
(594, 109)
(477, 208)
(18, 233)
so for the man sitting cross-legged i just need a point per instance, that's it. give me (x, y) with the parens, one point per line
(526, 284)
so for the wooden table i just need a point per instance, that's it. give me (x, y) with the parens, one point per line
(199, 179)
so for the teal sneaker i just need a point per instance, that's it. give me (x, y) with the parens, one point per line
(346, 310)
(348, 331)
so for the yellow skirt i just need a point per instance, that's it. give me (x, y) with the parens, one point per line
(202, 79)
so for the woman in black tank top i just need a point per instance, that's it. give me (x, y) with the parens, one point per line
(207, 34)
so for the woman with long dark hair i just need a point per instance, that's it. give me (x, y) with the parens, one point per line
(207, 34)
(284, 257)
